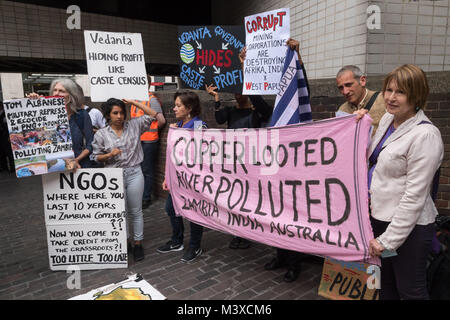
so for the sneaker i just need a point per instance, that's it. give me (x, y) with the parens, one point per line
(138, 252)
(191, 254)
(234, 244)
(291, 275)
(170, 246)
(244, 244)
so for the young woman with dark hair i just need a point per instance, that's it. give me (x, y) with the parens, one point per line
(118, 145)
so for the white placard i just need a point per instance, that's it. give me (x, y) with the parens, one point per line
(83, 82)
(116, 65)
(265, 38)
(85, 219)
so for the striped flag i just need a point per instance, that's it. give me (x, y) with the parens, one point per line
(292, 102)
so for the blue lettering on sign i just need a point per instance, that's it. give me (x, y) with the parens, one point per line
(228, 79)
(194, 35)
(229, 38)
(191, 77)
(349, 264)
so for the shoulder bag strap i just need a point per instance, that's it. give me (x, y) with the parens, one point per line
(372, 100)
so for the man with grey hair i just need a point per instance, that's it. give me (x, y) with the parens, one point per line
(351, 82)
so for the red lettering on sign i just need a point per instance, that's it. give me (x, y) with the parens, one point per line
(265, 23)
(219, 62)
(212, 58)
(281, 15)
(202, 56)
(228, 55)
(259, 23)
(219, 58)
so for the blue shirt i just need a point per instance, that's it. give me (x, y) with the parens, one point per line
(195, 123)
(373, 158)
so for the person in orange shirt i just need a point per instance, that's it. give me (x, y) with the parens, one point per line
(150, 144)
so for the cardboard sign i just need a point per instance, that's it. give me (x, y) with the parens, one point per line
(346, 281)
(265, 37)
(40, 135)
(210, 55)
(85, 219)
(132, 288)
(299, 187)
(116, 65)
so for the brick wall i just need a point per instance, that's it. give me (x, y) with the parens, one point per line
(325, 101)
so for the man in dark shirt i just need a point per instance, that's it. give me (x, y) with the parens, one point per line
(249, 112)
(290, 259)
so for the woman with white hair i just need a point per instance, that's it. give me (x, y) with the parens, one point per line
(79, 121)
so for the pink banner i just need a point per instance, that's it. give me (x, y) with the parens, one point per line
(300, 187)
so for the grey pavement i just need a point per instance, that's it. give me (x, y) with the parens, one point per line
(219, 273)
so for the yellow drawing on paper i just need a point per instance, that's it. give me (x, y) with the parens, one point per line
(123, 294)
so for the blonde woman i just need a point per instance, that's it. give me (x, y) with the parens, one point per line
(405, 153)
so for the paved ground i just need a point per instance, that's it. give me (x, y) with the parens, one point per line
(220, 273)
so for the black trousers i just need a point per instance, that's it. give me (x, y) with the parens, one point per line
(291, 259)
(404, 276)
(178, 227)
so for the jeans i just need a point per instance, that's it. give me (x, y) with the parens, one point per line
(404, 276)
(178, 227)
(148, 167)
(134, 185)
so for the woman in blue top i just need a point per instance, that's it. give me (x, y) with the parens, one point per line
(187, 110)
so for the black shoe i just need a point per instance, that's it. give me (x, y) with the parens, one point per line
(291, 275)
(273, 264)
(191, 254)
(244, 244)
(146, 203)
(234, 244)
(138, 252)
(170, 246)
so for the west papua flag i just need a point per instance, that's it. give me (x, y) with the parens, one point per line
(292, 101)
